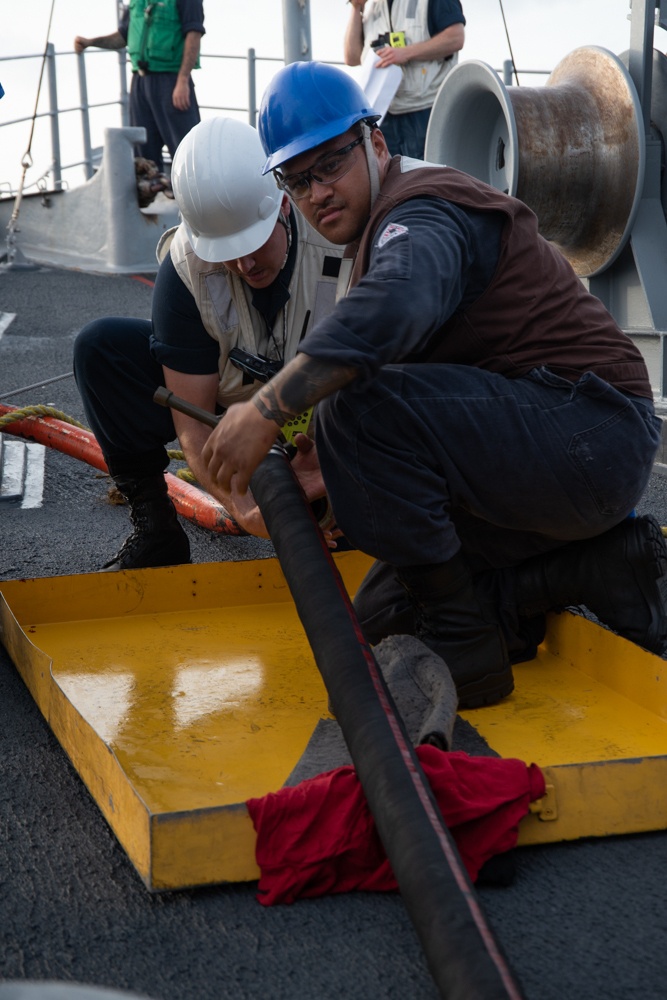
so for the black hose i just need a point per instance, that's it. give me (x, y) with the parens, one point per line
(463, 957)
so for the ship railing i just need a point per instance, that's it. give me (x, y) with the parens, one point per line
(54, 113)
(50, 109)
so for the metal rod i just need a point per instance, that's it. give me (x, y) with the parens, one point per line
(85, 117)
(164, 397)
(252, 88)
(124, 97)
(53, 104)
(296, 30)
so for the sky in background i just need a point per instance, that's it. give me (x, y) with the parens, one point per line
(541, 33)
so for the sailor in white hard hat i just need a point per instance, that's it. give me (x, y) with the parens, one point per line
(240, 282)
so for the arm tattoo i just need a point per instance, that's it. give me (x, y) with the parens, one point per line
(299, 386)
(269, 408)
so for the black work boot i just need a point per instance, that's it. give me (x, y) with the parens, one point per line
(450, 621)
(158, 539)
(621, 576)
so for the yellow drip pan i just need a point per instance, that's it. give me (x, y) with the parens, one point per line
(179, 693)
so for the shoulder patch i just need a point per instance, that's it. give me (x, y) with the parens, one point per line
(390, 232)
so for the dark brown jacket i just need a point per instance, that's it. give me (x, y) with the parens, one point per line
(534, 312)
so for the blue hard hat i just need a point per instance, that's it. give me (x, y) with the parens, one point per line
(305, 104)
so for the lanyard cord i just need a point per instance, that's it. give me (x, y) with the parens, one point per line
(272, 337)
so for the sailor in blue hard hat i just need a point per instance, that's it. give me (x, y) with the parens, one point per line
(337, 120)
(483, 426)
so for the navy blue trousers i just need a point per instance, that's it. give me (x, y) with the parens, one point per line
(425, 460)
(151, 106)
(430, 459)
(405, 135)
(117, 376)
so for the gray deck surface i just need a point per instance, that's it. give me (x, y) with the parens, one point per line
(582, 921)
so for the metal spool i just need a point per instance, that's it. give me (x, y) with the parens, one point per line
(573, 150)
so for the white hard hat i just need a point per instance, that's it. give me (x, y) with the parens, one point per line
(229, 208)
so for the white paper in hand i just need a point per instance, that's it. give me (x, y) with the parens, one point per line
(379, 85)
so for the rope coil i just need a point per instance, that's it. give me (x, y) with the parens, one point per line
(39, 411)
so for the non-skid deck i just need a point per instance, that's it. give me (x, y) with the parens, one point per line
(179, 693)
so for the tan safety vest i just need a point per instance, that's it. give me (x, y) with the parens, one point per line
(225, 303)
(421, 80)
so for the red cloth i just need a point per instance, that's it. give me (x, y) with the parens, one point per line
(320, 837)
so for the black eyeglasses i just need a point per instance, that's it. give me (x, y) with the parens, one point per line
(327, 170)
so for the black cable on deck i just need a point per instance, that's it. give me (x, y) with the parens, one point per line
(464, 959)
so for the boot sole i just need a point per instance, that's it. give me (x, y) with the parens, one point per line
(486, 691)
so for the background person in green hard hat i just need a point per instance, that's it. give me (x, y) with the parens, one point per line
(240, 281)
(484, 427)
